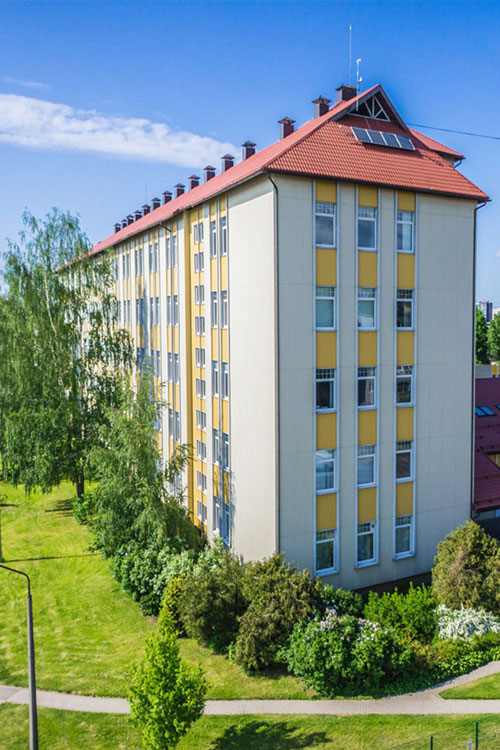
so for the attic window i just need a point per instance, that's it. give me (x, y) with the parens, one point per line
(380, 138)
(372, 108)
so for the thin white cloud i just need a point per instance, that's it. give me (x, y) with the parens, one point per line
(26, 84)
(25, 121)
(497, 253)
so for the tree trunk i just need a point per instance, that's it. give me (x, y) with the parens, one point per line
(80, 484)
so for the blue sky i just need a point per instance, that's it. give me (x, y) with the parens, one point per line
(105, 105)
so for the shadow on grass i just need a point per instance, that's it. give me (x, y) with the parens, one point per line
(62, 508)
(55, 557)
(262, 735)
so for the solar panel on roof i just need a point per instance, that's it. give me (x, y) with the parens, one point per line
(377, 137)
(405, 142)
(380, 138)
(361, 135)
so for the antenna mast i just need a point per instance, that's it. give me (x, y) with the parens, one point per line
(350, 54)
(358, 78)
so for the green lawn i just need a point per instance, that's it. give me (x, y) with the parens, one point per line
(486, 687)
(65, 730)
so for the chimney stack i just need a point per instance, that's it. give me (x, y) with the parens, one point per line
(146, 209)
(286, 127)
(179, 189)
(321, 106)
(167, 196)
(118, 226)
(130, 219)
(124, 223)
(137, 215)
(248, 149)
(227, 162)
(194, 181)
(155, 203)
(209, 172)
(346, 92)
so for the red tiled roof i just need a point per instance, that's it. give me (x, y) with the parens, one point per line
(435, 145)
(487, 441)
(326, 147)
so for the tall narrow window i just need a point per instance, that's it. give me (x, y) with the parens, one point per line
(325, 470)
(404, 384)
(366, 542)
(225, 380)
(404, 459)
(157, 310)
(169, 256)
(177, 426)
(169, 310)
(223, 235)
(213, 239)
(325, 550)
(151, 260)
(151, 311)
(176, 368)
(195, 234)
(367, 228)
(325, 223)
(215, 378)
(404, 527)
(404, 308)
(215, 446)
(366, 386)
(156, 256)
(325, 389)
(224, 310)
(158, 363)
(225, 450)
(325, 308)
(366, 465)
(175, 258)
(176, 310)
(367, 307)
(170, 422)
(170, 369)
(405, 231)
(213, 309)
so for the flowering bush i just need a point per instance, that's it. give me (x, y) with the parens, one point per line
(338, 652)
(465, 622)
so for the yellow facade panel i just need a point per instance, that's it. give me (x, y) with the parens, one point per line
(222, 204)
(215, 346)
(216, 481)
(224, 345)
(406, 201)
(176, 339)
(212, 209)
(225, 486)
(404, 498)
(405, 348)
(406, 271)
(223, 271)
(326, 266)
(177, 395)
(326, 191)
(326, 349)
(215, 413)
(225, 416)
(326, 512)
(158, 344)
(367, 196)
(367, 268)
(404, 423)
(213, 273)
(367, 505)
(175, 288)
(367, 427)
(157, 283)
(326, 431)
(367, 349)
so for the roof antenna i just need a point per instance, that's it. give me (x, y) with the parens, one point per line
(358, 79)
(350, 54)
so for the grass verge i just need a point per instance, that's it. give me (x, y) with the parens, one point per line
(484, 688)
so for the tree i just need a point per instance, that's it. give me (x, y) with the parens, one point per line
(60, 349)
(166, 695)
(482, 353)
(494, 337)
(135, 498)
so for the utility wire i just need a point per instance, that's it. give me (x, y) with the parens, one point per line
(460, 132)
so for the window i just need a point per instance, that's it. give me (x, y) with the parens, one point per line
(177, 426)
(325, 389)
(152, 311)
(199, 325)
(367, 228)
(200, 356)
(195, 233)
(196, 262)
(221, 519)
(151, 258)
(404, 459)
(404, 384)
(176, 368)
(201, 260)
(155, 257)
(225, 450)
(176, 310)
(223, 235)
(199, 294)
(201, 450)
(404, 308)
(201, 419)
(213, 239)
(325, 550)
(175, 258)
(325, 470)
(213, 309)
(215, 446)
(405, 231)
(158, 364)
(170, 422)
(366, 465)
(200, 231)
(169, 254)
(325, 307)
(224, 310)
(367, 307)
(366, 386)
(403, 535)
(157, 311)
(201, 388)
(169, 310)
(201, 481)
(201, 511)
(225, 380)
(325, 223)
(366, 542)
(215, 378)
(169, 366)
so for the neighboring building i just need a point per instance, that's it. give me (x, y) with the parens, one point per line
(293, 304)
(487, 448)
(486, 308)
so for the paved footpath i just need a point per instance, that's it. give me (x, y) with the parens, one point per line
(421, 702)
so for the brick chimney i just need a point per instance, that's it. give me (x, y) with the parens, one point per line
(155, 203)
(209, 172)
(286, 127)
(346, 92)
(130, 219)
(118, 226)
(146, 209)
(137, 214)
(179, 189)
(227, 162)
(321, 106)
(194, 181)
(248, 149)
(124, 223)
(167, 196)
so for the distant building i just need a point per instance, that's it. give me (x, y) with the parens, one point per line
(486, 308)
(486, 502)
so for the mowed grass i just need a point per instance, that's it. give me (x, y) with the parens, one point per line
(485, 687)
(88, 632)
(66, 730)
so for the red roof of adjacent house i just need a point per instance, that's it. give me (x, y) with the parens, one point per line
(326, 147)
(487, 442)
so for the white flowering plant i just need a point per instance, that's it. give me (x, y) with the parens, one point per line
(465, 623)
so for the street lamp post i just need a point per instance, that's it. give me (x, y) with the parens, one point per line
(33, 721)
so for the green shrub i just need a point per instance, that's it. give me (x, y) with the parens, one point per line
(211, 599)
(467, 569)
(84, 507)
(170, 612)
(344, 602)
(278, 596)
(339, 653)
(166, 696)
(413, 614)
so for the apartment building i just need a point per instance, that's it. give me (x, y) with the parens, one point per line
(293, 306)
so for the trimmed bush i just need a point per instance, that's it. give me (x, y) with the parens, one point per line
(279, 596)
(467, 569)
(344, 602)
(465, 623)
(170, 612)
(412, 614)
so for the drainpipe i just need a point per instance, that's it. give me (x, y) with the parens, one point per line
(276, 366)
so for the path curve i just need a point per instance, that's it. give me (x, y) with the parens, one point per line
(421, 702)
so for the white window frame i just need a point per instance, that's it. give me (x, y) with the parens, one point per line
(406, 521)
(325, 293)
(224, 310)
(225, 380)
(368, 293)
(223, 235)
(215, 377)
(320, 209)
(169, 310)
(328, 375)
(225, 450)
(322, 458)
(213, 239)
(195, 234)
(167, 252)
(405, 218)
(175, 255)
(405, 372)
(367, 452)
(366, 528)
(213, 309)
(177, 368)
(171, 422)
(176, 309)
(177, 426)
(403, 295)
(368, 213)
(404, 446)
(215, 446)
(170, 366)
(367, 373)
(201, 387)
(325, 536)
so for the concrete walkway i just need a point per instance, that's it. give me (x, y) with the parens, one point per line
(422, 702)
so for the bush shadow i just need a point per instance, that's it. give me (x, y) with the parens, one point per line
(263, 735)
